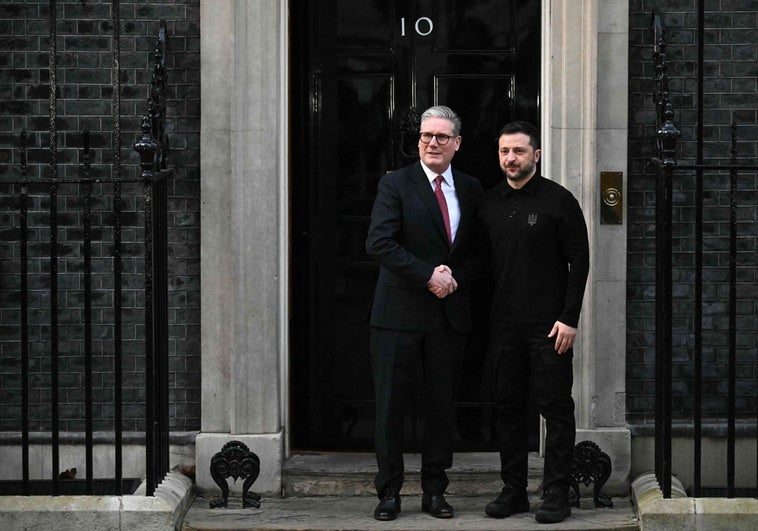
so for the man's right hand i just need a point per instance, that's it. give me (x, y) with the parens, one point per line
(442, 283)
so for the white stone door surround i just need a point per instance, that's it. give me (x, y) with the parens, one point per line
(245, 186)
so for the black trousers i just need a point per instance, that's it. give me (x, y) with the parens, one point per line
(395, 358)
(522, 358)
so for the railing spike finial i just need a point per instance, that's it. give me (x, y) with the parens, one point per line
(147, 149)
(668, 134)
(666, 131)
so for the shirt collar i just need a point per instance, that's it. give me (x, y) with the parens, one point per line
(529, 188)
(447, 175)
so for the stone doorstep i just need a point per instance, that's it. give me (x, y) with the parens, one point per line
(162, 512)
(352, 474)
(323, 491)
(682, 512)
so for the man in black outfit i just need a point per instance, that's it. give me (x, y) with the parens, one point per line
(540, 255)
(421, 232)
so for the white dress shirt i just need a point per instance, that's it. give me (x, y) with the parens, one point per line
(448, 188)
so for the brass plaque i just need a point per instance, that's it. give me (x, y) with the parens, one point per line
(611, 198)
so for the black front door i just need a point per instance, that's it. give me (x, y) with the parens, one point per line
(363, 70)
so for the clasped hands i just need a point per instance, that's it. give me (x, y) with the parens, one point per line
(442, 283)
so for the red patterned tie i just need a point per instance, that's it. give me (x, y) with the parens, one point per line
(443, 206)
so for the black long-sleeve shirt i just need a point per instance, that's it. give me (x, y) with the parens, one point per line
(539, 251)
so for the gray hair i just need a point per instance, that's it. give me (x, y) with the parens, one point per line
(440, 111)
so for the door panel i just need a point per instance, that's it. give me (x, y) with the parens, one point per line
(465, 26)
(362, 71)
(350, 26)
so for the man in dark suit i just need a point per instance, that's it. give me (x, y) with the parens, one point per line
(422, 231)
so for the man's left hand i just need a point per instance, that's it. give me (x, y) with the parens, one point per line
(564, 336)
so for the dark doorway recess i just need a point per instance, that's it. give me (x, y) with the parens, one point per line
(362, 71)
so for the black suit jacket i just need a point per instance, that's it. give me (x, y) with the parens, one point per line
(407, 237)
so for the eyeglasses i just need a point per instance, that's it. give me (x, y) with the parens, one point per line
(442, 138)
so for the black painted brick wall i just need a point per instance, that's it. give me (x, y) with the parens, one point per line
(730, 87)
(85, 101)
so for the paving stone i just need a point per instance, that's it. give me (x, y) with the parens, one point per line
(318, 513)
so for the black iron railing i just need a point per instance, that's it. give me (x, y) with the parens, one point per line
(670, 169)
(98, 204)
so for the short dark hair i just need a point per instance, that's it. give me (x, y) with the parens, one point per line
(526, 128)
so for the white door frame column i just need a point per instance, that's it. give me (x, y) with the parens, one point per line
(244, 234)
(584, 132)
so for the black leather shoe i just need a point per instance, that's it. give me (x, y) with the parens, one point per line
(511, 500)
(436, 505)
(389, 506)
(555, 506)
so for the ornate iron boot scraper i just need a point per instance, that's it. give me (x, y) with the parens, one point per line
(237, 461)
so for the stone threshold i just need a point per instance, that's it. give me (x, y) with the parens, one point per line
(162, 512)
(682, 512)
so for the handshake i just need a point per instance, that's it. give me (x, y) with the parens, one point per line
(442, 283)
